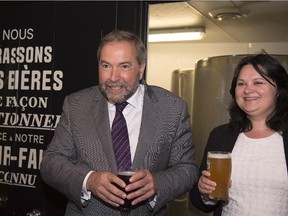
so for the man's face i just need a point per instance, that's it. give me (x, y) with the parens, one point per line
(119, 71)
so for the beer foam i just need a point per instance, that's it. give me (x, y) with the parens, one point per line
(126, 173)
(219, 155)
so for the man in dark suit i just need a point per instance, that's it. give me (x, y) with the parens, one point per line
(80, 160)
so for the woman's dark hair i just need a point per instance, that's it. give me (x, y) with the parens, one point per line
(267, 67)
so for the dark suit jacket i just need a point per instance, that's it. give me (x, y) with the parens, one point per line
(221, 139)
(82, 142)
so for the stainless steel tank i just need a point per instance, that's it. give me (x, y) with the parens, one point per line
(182, 85)
(206, 91)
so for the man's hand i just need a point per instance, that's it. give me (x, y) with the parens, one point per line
(103, 185)
(142, 186)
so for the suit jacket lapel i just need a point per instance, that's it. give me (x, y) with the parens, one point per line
(101, 118)
(147, 129)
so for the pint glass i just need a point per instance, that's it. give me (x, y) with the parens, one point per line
(125, 176)
(219, 165)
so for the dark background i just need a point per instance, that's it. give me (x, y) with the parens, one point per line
(74, 30)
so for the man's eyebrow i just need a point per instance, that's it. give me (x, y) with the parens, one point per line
(103, 61)
(126, 62)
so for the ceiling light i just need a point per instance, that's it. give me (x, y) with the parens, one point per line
(228, 16)
(222, 14)
(186, 34)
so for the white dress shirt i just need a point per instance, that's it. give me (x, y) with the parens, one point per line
(133, 115)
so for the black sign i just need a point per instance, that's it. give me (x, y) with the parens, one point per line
(47, 50)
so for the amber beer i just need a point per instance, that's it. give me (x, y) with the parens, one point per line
(219, 165)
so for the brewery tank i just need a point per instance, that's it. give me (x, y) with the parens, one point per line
(206, 92)
(182, 85)
(211, 97)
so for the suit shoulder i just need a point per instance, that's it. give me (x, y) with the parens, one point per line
(162, 93)
(84, 94)
(84, 91)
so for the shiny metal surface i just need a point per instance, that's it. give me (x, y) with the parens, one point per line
(182, 85)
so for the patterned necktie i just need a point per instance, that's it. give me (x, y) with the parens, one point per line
(120, 139)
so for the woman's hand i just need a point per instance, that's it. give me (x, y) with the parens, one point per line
(205, 185)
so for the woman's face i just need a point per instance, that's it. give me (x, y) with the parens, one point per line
(254, 95)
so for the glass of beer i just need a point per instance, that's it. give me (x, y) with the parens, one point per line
(125, 176)
(220, 166)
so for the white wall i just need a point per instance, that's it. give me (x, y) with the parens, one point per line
(164, 58)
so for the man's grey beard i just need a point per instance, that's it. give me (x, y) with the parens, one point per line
(128, 93)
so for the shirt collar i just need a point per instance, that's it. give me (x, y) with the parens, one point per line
(136, 100)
